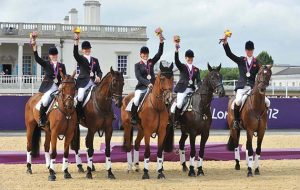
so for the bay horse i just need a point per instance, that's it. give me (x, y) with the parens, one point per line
(253, 119)
(198, 120)
(62, 121)
(99, 117)
(154, 118)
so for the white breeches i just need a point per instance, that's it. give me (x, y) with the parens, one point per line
(241, 92)
(137, 96)
(181, 97)
(81, 91)
(46, 96)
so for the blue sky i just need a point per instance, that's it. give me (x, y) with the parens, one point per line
(272, 25)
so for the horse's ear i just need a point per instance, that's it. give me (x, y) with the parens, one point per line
(209, 67)
(62, 74)
(171, 66)
(219, 67)
(161, 67)
(112, 71)
(73, 74)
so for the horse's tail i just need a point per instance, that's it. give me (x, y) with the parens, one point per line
(169, 139)
(75, 143)
(36, 140)
(230, 143)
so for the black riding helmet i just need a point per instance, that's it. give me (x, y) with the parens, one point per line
(144, 49)
(189, 53)
(249, 45)
(53, 51)
(86, 45)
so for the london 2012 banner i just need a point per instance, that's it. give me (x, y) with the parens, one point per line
(283, 113)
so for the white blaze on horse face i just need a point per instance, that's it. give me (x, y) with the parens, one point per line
(52, 162)
(192, 161)
(159, 163)
(78, 159)
(182, 156)
(65, 164)
(146, 163)
(107, 163)
(257, 158)
(237, 153)
(200, 162)
(129, 160)
(28, 157)
(47, 158)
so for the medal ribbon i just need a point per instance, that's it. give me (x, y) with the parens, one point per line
(55, 69)
(91, 65)
(248, 67)
(191, 72)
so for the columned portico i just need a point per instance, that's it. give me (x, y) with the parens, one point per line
(20, 59)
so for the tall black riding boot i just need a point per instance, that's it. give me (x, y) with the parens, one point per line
(79, 110)
(236, 123)
(177, 116)
(134, 115)
(43, 116)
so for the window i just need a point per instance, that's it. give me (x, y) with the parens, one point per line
(122, 63)
(27, 65)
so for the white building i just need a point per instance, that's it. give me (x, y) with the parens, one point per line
(286, 75)
(116, 46)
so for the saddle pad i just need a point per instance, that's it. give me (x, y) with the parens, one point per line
(129, 105)
(50, 104)
(88, 96)
(186, 105)
(244, 98)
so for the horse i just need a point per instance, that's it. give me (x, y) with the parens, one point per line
(62, 121)
(153, 116)
(253, 119)
(99, 116)
(198, 118)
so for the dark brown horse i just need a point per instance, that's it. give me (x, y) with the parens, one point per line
(253, 119)
(62, 121)
(153, 120)
(99, 117)
(198, 120)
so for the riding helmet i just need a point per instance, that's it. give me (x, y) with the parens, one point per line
(53, 51)
(86, 45)
(249, 45)
(189, 53)
(144, 49)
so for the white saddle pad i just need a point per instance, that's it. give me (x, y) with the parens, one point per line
(129, 105)
(244, 98)
(38, 105)
(185, 107)
(88, 97)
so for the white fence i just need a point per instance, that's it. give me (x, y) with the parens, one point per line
(29, 84)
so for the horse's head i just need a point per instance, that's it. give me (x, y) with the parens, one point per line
(214, 78)
(117, 84)
(165, 79)
(263, 78)
(67, 89)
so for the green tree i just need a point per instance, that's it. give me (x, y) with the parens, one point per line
(264, 58)
(228, 73)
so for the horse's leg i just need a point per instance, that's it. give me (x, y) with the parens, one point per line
(108, 135)
(29, 133)
(260, 137)
(47, 148)
(76, 149)
(136, 153)
(192, 156)
(52, 176)
(146, 155)
(161, 139)
(65, 162)
(89, 141)
(250, 152)
(237, 156)
(204, 137)
(182, 140)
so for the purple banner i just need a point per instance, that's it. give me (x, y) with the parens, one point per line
(283, 113)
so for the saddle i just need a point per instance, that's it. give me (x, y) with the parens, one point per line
(141, 101)
(50, 103)
(244, 98)
(187, 104)
(87, 95)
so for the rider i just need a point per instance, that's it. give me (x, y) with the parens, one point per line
(248, 69)
(90, 72)
(144, 73)
(51, 80)
(186, 84)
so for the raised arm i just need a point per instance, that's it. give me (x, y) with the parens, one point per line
(63, 68)
(178, 64)
(38, 59)
(139, 76)
(76, 55)
(159, 53)
(229, 54)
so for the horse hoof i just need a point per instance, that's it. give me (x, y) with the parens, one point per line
(200, 172)
(111, 176)
(256, 172)
(29, 171)
(249, 174)
(137, 170)
(93, 168)
(161, 176)
(67, 176)
(80, 168)
(146, 176)
(51, 177)
(89, 176)
(184, 167)
(237, 167)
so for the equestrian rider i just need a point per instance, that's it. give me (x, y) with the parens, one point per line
(52, 78)
(248, 68)
(186, 84)
(144, 73)
(89, 71)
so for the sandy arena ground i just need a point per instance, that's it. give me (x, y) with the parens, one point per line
(280, 174)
